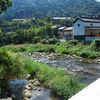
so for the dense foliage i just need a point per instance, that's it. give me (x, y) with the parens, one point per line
(31, 35)
(43, 8)
(9, 66)
(26, 24)
(4, 4)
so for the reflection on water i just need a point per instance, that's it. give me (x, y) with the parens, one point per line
(18, 86)
(44, 94)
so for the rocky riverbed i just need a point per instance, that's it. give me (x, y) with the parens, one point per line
(88, 70)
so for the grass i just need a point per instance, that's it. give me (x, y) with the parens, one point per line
(56, 79)
(72, 47)
(61, 84)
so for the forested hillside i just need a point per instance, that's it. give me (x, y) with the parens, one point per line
(43, 8)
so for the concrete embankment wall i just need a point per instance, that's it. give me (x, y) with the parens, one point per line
(91, 92)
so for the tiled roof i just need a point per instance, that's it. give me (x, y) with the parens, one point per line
(68, 28)
(59, 17)
(61, 28)
(88, 20)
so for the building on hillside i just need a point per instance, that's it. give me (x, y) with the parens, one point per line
(56, 20)
(86, 29)
(68, 33)
(18, 20)
(65, 33)
(61, 32)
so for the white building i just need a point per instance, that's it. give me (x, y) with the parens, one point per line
(61, 32)
(56, 20)
(68, 33)
(18, 20)
(65, 33)
(86, 29)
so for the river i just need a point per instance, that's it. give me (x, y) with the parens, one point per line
(86, 70)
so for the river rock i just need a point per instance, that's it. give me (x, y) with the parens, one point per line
(74, 55)
(26, 98)
(32, 81)
(28, 94)
(6, 98)
(9, 98)
(36, 83)
(29, 54)
(74, 70)
(13, 96)
(35, 88)
(39, 89)
(28, 76)
(28, 87)
(54, 65)
(25, 91)
(38, 95)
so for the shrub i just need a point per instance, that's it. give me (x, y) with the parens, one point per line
(28, 65)
(72, 42)
(36, 39)
(84, 54)
(62, 49)
(9, 66)
(95, 45)
(65, 51)
(53, 41)
(93, 55)
(6, 63)
(44, 41)
(65, 86)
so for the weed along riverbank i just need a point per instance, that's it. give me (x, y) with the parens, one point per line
(55, 79)
(73, 47)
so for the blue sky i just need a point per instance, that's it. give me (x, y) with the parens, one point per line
(98, 0)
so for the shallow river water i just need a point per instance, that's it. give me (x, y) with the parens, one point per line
(87, 70)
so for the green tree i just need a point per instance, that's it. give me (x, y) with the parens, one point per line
(18, 37)
(66, 22)
(4, 4)
(48, 19)
(49, 30)
(41, 32)
(1, 36)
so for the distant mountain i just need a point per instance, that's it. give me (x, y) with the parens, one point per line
(43, 8)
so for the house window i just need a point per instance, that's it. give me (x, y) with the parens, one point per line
(91, 33)
(91, 24)
(78, 25)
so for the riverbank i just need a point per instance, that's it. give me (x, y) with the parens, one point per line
(72, 47)
(56, 79)
(61, 83)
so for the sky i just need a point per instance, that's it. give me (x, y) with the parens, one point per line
(98, 0)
